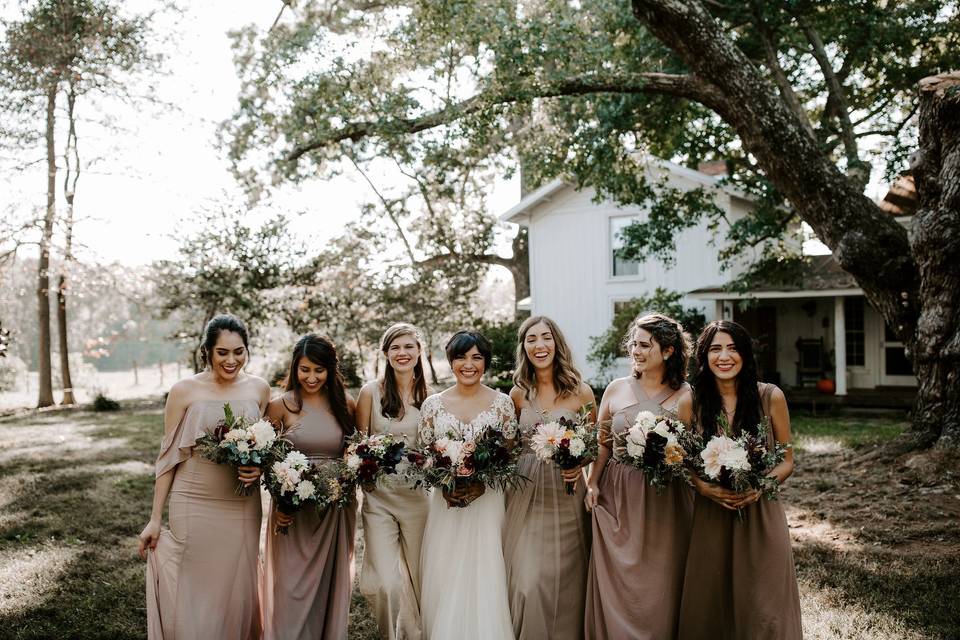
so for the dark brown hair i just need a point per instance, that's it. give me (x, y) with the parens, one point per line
(321, 351)
(391, 400)
(218, 324)
(707, 403)
(667, 332)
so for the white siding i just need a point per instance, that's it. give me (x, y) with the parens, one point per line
(571, 271)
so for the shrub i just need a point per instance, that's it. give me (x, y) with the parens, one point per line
(103, 403)
(503, 339)
(608, 346)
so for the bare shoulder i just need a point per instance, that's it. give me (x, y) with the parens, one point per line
(585, 393)
(183, 391)
(277, 409)
(518, 396)
(366, 391)
(351, 402)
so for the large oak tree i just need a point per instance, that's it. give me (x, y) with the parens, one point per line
(802, 100)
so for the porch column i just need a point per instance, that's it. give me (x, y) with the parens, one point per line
(724, 310)
(840, 345)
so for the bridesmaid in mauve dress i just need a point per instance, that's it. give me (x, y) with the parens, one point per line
(640, 536)
(394, 514)
(307, 574)
(740, 579)
(546, 533)
(202, 571)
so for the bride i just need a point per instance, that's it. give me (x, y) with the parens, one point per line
(464, 585)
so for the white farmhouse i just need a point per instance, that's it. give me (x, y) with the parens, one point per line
(803, 335)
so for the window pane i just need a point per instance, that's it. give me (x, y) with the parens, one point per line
(621, 267)
(853, 324)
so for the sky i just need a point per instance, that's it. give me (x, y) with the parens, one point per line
(144, 183)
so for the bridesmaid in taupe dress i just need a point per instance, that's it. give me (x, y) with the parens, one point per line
(394, 514)
(306, 580)
(546, 533)
(202, 571)
(740, 579)
(640, 537)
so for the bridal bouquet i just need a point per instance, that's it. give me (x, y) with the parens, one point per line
(294, 483)
(238, 441)
(569, 444)
(366, 459)
(742, 463)
(485, 458)
(657, 445)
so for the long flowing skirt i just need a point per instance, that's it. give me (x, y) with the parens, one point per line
(308, 574)
(638, 556)
(546, 546)
(202, 577)
(464, 592)
(740, 579)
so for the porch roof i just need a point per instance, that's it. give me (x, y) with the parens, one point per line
(822, 278)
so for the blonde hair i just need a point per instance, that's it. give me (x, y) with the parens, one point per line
(566, 377)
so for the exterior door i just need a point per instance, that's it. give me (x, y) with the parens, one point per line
(761, 322)
(895, 367)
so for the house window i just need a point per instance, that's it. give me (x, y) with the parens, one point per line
(621, 267)
(853, 323)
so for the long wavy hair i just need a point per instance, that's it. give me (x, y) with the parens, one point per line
(668, 333)
(566, 376)
(391, 400)
(707, 403)
(320, 350)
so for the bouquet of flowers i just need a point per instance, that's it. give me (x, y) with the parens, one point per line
(240, 442)
(742, 463)
(569, 444)
(294, 483)
(366, 459)
(450, 461)
(657, 445)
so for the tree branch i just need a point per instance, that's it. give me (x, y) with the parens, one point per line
(682, 86)
(389, 209)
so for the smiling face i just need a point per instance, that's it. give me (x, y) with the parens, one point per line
(403, 353)
(723, 358)
(647, 355)
(311, 376)
(228, 355)
(469, 367)
(539, 345)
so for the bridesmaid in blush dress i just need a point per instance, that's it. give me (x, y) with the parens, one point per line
(307, 574)
(394, 514)
(740, 579)
(202, 571)
(640, 536)
(546, 534)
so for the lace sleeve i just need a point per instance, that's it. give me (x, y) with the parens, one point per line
(425, 430)
(506, 412)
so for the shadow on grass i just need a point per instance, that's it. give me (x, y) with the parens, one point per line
(65, 499)
(918, 595)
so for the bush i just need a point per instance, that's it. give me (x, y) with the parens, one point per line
(350, 369)
(103, 403)
(503, 339)
(608, 346)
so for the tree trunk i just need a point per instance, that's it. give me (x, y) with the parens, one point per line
(70, 156)
(520, 265)
(913, 282)
(935, 241)
(45, 397)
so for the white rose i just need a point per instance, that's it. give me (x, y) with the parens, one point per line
(306, 490)
(735, 458)
(645, 419)
(662, 429)
(296, 460)
(243, 446)
(712, 454)
(263, 434)
(353, 462)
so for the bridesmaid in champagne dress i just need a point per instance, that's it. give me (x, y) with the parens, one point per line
(740, 579)
(394, 514)
(202, 571)
(307, 574)
(546, 531)
(640, 537)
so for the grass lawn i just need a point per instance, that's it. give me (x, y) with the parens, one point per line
(875, 536)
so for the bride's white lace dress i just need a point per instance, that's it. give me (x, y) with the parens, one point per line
(464, 582)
